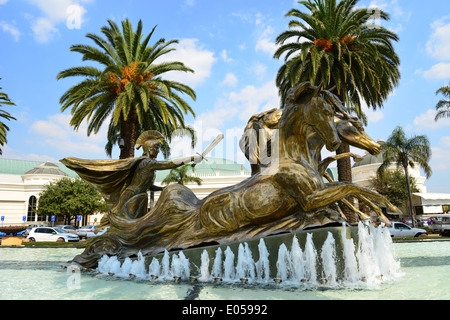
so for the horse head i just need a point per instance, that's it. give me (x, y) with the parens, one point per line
(313, 106)
(351, 131)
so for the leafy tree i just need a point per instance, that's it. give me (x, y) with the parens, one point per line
(130, 86)
(70, 198)
(392, 185)
(405, 152)
(443, 106)
(336, 44)
(180, 175)
(4, 100)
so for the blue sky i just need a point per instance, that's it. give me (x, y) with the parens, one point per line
(229, 44)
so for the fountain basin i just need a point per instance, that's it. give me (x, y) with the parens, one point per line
(327, 256)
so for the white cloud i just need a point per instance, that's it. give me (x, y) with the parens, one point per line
(9, 153)
(425, 121)
(10, 29)
(438, 46)
(44, 30)
(235, 107)
(3, 1)
(225, 57)
(445, 141)
(439, 159)
(265, 41)
(372, 115)
(56, 132)
(251, 100)
(230, 80)
(259, 70)
(438, 71)
(55, 12)
(194, 56)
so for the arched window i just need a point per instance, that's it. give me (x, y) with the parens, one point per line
(32, 206)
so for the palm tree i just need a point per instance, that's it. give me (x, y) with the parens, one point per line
(4, 100)
(406, 152)
(336, 45)
(130, 87)
(443, 106)
(180, 175)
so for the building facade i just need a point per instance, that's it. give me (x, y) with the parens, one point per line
(424, 203)
(22, 181)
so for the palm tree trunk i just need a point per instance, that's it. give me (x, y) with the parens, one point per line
(152, 199)
(411, 209)
(128, 133)
(344, 167)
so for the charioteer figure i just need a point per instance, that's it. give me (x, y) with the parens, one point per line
(124, 183)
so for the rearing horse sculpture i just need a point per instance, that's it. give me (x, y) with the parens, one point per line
(256, 144)
(289, 196)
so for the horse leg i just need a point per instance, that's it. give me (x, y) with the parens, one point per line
(336, 191)
(323, 165)
(375, 208)
(361, 215)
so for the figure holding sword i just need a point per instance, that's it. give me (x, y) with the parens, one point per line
(210, 147)
(124, 183)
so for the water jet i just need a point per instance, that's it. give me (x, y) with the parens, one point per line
(331, 256)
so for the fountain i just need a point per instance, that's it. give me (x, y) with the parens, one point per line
(281, 226)
(307, 258)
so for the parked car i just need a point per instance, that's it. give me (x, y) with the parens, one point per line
(86, 231)
(68, 228)
(441, 225)
(407, 221)
(401, 230)
(102, 231)
(28, 229)
(435, 225)
(51, 234)
(422, 223)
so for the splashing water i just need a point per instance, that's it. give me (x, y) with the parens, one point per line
(217, 266)
(245, 267)
(370, 262)
(204, 269)
(228, 266)
(328, 256)
(263, 265)
(351, 265)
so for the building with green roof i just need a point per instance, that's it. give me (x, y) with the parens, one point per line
(19, 167)
(21, 182)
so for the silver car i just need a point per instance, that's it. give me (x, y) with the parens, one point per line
(401, 230)
(67, 228)
(87, 231)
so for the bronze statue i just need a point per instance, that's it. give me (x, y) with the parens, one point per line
(286, 196)
(257, 139)
(124, 183)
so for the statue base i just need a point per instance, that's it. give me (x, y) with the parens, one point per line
(331, 256)
(257, 259)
